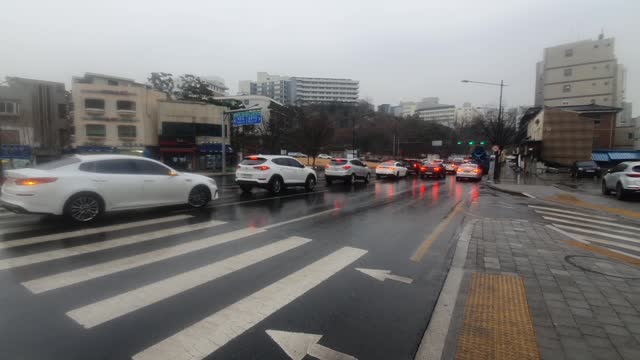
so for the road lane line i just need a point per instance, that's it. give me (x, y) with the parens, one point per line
(433, 341)
(267, 227)
(594, 226)
(97, 313)
(103, 245)
(208, 335)
(426, 244)
(528, 195)
(571, 212)
(91, 231)
(594, 232)
(71, 277)
(588, 239)
(18, 229)
(589, 220)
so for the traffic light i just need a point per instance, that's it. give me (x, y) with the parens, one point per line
(459, 142)
(483, 143)
(472, 142)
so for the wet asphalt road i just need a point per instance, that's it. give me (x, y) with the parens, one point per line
(376, 226)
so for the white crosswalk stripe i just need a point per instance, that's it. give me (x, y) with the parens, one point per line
(103, 245)
(208, 335)
(108, 309)
(91, 231)
(599, 230)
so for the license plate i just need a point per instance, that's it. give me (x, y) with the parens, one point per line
(467, 171)
(244, 176)
(591, 171)
(429, 172)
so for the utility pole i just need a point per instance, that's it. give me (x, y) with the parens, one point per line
(496, 166)
(224, 142)
(353, 146)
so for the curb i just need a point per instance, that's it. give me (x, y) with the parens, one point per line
(510, 192)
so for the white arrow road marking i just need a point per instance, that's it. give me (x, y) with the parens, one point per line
(384, 274)
(90, 231)
(103, 245)
(119, 305)
(208, 335)
(298, 345)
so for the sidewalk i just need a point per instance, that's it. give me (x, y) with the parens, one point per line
(529, 292)
(562, 189)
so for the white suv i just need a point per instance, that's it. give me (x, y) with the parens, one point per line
(347, 170)
(623, 178)
(274, 173)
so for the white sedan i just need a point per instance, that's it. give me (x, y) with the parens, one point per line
(391, 168)
(82, 187)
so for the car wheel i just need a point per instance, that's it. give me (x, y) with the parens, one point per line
(310, 184)
(275, 186)
(619, 192)
(352, 179)
(84, 207)
(328, 180)
(246, 188)
(199, 196)
(367, 178)
(605, 190)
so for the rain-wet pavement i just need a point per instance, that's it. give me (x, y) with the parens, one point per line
(181, 283)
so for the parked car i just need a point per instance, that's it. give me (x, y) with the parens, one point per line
(83, 187)
(585, 168)
(274, 173)
(623, 178)
(347, 170)
(469, 171)
(412, 165)
(391, 168)
(324, 156)
(433, 169)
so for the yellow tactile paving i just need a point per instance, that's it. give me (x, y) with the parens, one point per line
(497, 323)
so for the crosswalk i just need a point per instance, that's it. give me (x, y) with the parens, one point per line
(599, 230)
(203, 337)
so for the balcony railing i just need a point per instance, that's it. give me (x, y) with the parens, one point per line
(126, 112)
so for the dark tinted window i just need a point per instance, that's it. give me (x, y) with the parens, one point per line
(338, 161)
(88, 166)
(58, 163)
(636, 168)
(150, 168)
(116, 166)
(294, 163)
(619, 168)
(586, 163)
(357, 163)
(280, 161)
(254, 161)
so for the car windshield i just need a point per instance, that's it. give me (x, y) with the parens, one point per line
(586, 163)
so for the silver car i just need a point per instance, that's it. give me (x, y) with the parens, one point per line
(469, 171)
(347, 170)
(623, 178)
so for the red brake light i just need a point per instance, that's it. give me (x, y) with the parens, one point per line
(35, 181)
(327, 166)
(424, 168)
(634, 175)
(262, 168)
(347, 167)
(253, 158)
(437, 169)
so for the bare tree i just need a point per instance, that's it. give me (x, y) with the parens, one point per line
(162, 81)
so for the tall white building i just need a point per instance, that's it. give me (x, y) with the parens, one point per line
(580, 73)
(301, 90)
(466, 113)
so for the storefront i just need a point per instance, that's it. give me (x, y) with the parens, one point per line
(210, 156)
(178, 152)
(16, 156)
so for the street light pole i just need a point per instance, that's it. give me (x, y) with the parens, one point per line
(353, 145)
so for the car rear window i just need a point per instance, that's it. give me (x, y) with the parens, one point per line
(470, 166)
(338, 161)
(253, 161)
(636, 168)
(389, 163)
(58, 163)
(586, 163)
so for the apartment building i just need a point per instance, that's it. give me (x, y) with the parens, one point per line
(438, 113)
(581, 73)
(33, 120)
(301, 90)
(114, 114)
(466, 113)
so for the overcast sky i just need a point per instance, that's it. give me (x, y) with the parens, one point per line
(398, 50)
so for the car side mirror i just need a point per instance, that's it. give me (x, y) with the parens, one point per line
(609, 171)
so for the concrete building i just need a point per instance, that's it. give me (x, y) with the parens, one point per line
(384, 108)
(114, 114)
(580, 73)
(190, 134)
(624, 117)
(624, 138)
(438, 113)
(216, 85)
(396, 110)
(301, 90)
(566, 134)
(33, 119)
(465, 114)
(407, 108)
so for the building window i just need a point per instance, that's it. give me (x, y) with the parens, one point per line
(596, 141)
(112, 83)
(568, 52)
(607, 66)
(593, 84)
(593, 101)
(126, 105)
(96, 130)
(606, 83)
(8, 107)
(596, 123)
(566, 88)
(565, 103)
(605, 99)
(126, 131)
(629, 136)
(94, 104)
(568, 72)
